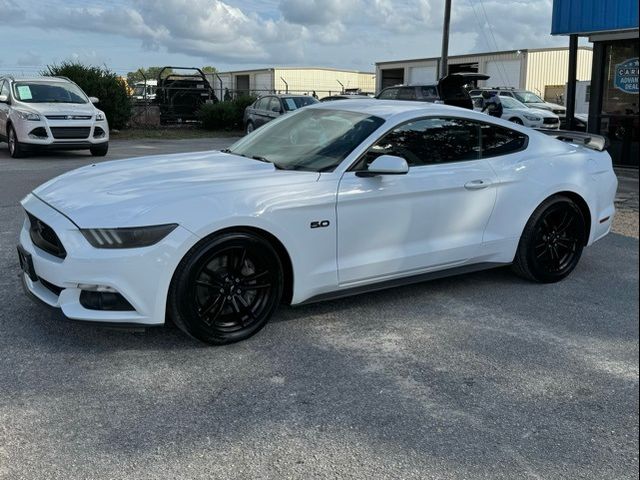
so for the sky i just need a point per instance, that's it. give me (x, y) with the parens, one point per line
(240, 34)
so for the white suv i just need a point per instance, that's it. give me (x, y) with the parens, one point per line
(50, 113)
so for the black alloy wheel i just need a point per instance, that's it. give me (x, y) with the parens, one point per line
(553, 241)
(227, 288)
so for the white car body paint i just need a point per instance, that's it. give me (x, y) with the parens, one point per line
(386, 227)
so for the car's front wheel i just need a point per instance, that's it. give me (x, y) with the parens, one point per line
(552, 242)
(16, 150)
(100, 150)
(250, 128)
(516, 120)
(226, 288)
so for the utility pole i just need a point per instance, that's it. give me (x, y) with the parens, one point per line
(444, 59)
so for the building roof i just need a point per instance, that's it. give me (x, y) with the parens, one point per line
(483, 54)
(593, 16)
(270, 69)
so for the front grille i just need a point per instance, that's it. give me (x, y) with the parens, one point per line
(43, 237)
(68, 117)
(70, 132)
(551, 121)
(56, 290)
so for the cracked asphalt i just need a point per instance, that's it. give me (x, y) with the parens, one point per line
(471, 377)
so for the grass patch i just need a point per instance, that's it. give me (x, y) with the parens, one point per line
(171, 133)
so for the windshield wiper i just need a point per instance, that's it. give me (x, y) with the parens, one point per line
(225, 150)
(266, 160)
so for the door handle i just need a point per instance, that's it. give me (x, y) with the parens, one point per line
(477, 184)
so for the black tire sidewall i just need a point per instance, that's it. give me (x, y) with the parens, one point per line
(538, 273)
(100, 150)
(182, 309)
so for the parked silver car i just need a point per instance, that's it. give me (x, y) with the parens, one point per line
(270, 107)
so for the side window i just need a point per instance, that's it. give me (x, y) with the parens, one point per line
(262, 104)
(388, 94)
(274, 105)
(429, 141)
(500, 141)
(429, 92)
(407, 93)
(4, 88)
(506, 94)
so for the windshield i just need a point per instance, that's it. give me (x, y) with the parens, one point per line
(41, 92)
(528, 97)
(316, 140)
(508, 102)
(294, 103)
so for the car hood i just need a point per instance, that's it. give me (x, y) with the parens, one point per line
(59, 108)
(152, 190)
(546, 106)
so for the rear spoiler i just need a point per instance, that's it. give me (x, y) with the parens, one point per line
(589, 140)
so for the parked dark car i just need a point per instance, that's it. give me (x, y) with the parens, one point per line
(449, 90)
(270, 107)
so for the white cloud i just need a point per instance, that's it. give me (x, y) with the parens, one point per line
(302, 31)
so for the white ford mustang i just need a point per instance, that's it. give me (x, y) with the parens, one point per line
(335, 199)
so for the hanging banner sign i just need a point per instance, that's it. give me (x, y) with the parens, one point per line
(626, 77)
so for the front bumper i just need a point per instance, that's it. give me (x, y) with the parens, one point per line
(25, 133)
(141, 275)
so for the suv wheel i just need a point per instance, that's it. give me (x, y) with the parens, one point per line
(100, 150)
(16, 150)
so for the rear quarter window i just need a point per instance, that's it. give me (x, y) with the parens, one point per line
(496, 141)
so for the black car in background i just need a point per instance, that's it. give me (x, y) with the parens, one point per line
(449, 90)
(270, 107)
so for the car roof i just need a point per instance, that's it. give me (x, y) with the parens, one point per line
(36, 79)
(390, 108)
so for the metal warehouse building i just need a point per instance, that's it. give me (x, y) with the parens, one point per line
(323, 81)
(542, 70)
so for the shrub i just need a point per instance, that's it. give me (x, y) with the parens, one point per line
(102, 83)
(224, 115)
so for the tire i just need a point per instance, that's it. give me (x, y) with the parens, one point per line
(516, 120)
(100, 150)
(16, 149)
(249, 128)
(552, 241)
(226, 288)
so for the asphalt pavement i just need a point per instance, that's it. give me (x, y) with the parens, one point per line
(471, 377)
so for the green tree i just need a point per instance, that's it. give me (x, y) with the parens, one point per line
(99, 82)
(209, 69)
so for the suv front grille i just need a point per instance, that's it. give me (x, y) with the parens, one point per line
(70, 132)
(550, 120)
(68, 117)
(43, 237)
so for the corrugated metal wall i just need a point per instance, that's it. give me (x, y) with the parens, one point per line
(551, 67)
(588, 16)
(322, 81)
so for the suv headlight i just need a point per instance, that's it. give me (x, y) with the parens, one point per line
(533, 118)
(135, 237)
(31, 116)
(99, 117)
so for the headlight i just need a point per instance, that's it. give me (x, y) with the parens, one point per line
(135, 237)
(532, 118)
(99, 116)
(31, 116)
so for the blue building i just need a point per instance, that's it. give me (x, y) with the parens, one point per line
(612, 26)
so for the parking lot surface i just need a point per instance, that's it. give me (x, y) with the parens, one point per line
(477, 376)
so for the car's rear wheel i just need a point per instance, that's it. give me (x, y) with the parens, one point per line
(16, 150)
(552, 242)
(100, 150)
(250, 128)
(226, 288)
(516, 120)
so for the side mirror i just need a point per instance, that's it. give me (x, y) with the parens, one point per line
(4, 99)
(386, 165)
(94, 100)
